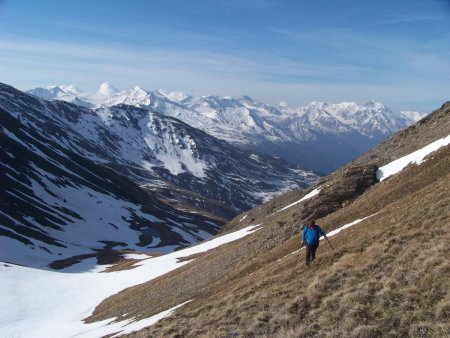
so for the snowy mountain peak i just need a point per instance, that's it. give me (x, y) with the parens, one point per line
(371, 103)
(378, 106)
(316, 105)
(49, 92)
(247, 98)
(134, 97)
(139, 89)
(68, 93)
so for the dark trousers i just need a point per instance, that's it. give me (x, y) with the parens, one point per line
(311, 253)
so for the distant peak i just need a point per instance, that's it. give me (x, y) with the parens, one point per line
(318, 104)
(139, 89)
(106, 89)
(72, 89)
(247, 98)
(372, 103)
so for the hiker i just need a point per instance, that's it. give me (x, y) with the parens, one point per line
(310, 237)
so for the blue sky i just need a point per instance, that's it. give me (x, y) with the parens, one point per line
(396, 52)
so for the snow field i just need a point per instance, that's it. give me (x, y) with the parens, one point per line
(42, 303)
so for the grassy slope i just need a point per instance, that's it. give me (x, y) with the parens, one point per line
(388, 275)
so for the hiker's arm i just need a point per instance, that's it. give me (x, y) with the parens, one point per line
(322, 233)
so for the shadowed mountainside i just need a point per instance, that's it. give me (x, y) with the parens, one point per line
(50, 198)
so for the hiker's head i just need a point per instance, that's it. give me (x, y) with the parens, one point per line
(312, 222)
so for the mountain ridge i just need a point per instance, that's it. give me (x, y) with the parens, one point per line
(349, 128)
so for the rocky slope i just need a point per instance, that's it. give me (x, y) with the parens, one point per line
(387, 275)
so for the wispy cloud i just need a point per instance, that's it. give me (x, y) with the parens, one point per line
(90, 57)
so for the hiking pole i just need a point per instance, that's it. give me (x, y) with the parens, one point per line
(329, 243)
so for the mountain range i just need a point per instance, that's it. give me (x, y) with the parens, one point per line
(321, 136)
(77, 180)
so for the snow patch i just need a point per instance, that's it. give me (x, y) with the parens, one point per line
(139, 325)
(136, 256)
(338, 230)
(304, 198)
(417, 157)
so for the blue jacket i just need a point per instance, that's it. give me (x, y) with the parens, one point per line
(311, 236)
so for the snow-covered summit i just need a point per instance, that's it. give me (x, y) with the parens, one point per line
(74, 90)
(136, 96)
(68, 93)
(369, 119)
